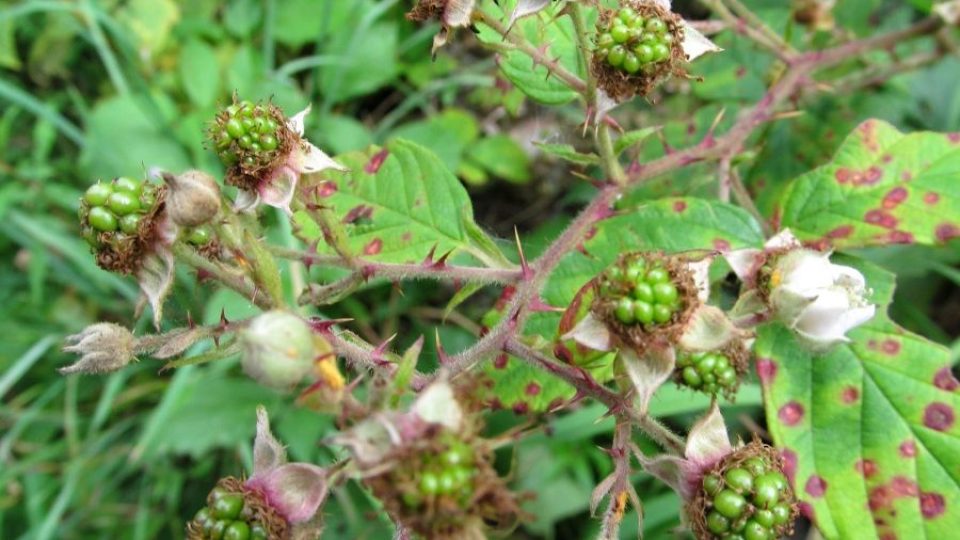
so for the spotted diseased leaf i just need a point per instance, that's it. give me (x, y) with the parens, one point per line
(398, 203)
(883, 187)
(869, 430)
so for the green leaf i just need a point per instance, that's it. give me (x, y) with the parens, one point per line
(631, 138)
(502, 157)
(883, 187)
(569, 153)
(200, 72)
(399, 203)
(446, 134)
(559, 39)
(875, 420)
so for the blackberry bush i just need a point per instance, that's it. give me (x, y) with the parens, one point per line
(119, 219)
(745, 496)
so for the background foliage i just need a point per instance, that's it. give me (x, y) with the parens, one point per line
(95, 89)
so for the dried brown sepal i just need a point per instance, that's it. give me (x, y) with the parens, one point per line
(425, 10)
(255, 508)
(700, 505)
(489, 502)
(639, 336)
(251, 166)
(123, 253)
(621, 85)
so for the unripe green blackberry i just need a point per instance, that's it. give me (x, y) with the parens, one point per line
(234, 512)
(746, 495)
(643, 294)
(636, 47)
(250, 138)
(442, 485)
(117, 220)
(713, 373)
(630, 42)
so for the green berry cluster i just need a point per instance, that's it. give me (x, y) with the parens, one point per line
(115, 207)
(710, 372)
(449, 474)
(632, 42)
(247, 133)
(752, 501)
(644, 292)
(226, 517)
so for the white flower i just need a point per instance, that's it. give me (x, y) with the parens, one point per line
(279, 185)
(819, 300)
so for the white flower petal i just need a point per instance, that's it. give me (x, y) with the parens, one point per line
(709, 329)
(708, 441)
(525, 8)
(744, 262)
(696, 44)
(458, 12)
(246, 201)
(848, 277)
(315, 160)
(437, 404)
(648, 373)
(949, 11)
(803, 270)
(591, 333)
(782, 240)
(701, 277)
(296, 122)
(278, 191)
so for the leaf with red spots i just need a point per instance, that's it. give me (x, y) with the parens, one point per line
(883, 187)
(870, 428)
(396, 204)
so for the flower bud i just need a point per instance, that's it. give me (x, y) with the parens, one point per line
(278, 349)
(819, 300)
(103, 348)
(194, 198)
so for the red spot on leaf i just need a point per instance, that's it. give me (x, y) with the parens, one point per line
(881, 218)
(789, 463)
(883, 496)
(843, 231)
(358, 212)
(906, 176)
(766, 370)
(931, 197)
(932, 505)
(679, 206)
(954, 137)
(850, 395)
(816, 486)
(326, 188)
(945, 380)
(406, 237)
(532, 389)
(938, 416)
(741, 71)
(869, 135)
(947, 231)
(890, 347)
(908, 449)
(374, 247)
(791, 413)
(903, 486)
(869, 177)
(501, 361)
(520, 408)
(843, 175)
(900, 237)
(807, 510)
(887, 535)
(866, 467)
(373, 166)
(720, 244)
(896, 197)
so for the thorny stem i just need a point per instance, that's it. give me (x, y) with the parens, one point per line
(750, 26)
(588, 386)
(586, 50)
(231, 278)
(539, 56)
